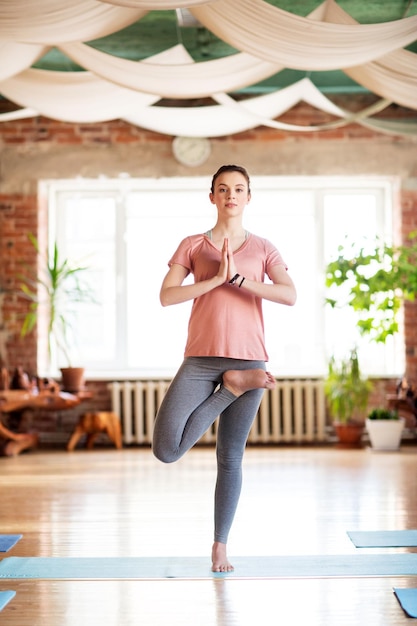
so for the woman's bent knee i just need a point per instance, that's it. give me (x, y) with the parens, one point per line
(165, 456)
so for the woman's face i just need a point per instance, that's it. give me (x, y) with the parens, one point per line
(230, 194)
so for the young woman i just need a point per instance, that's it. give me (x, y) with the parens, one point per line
(223, 372)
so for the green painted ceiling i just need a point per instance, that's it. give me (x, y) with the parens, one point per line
(160, 30)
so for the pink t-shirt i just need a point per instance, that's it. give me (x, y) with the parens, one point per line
(227, 321)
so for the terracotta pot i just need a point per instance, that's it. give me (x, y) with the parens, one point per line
(72, 379)
(349, 434)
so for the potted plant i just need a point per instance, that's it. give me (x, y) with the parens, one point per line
(347, 393)
(53, 288)
(384, 427)
(376, 281)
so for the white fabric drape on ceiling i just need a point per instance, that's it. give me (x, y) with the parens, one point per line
(16, 57)
(393, 76)
(55, 21)
(228, 117)
(77, 97)
(256, 27)
(154, 5)
(188, 80)
(267, 40)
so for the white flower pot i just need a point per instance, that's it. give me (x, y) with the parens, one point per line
(385, 434)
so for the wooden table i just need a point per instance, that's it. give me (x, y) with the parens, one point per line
(19, 399)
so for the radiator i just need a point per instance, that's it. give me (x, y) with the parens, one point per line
(293, 412)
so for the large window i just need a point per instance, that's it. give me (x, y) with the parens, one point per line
(126, 230)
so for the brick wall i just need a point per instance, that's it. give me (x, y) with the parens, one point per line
(18, 216)
(409, 222)
(40, 148)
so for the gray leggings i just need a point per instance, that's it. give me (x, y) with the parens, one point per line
(192, 403)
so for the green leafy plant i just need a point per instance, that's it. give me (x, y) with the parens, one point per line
(346, 390)
(383, 414)
(375, 281)
(54, 289)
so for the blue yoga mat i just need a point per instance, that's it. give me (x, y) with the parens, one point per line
(135, 568)
(8, 541)
(408, 600)
(384, 538)
(5, 597)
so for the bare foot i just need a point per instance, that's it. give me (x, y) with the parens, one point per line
(240, 381)
(219, 558)
(22, 441)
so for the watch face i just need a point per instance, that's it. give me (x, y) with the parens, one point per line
(191, 151)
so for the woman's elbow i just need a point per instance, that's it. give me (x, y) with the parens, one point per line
(291, 297)
(163, 299)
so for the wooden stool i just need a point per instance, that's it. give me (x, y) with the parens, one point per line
(92, 424)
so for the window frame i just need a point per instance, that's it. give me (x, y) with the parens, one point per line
(387, 189)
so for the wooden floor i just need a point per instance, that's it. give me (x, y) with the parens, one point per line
(125, 503)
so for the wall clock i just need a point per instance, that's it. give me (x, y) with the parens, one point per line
(191, 151)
